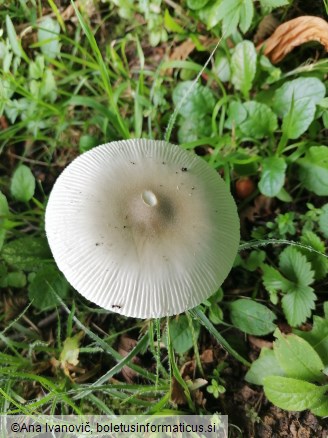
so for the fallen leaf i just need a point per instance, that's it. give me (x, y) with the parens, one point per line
(293, 33)
(207, 356)
(259, 342)
(126, 344)
(267, 26)
(181, 52)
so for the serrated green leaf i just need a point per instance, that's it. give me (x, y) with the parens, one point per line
(22, 185)
(47, 282)
(313, 171)
(243, 66)
(295, 267)
(26, 253)
(292, 394)
(299, 297)
(180, 334)
(274, 282)
(317, 337)
(252, 317)
(260, 121)
(319, 263)
(297, 358)
(273, 176)
(265, 365)
(297, 304)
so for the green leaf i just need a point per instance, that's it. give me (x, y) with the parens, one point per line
(226, 10)
(298, 304)
(260, 121)
(12, 36)
(313, 171)
(4, 208)
(273, 282)
(265, 365)
(272, 4)
(222, 67)
(48, 32)
(26, 253)
(298, 119)
(299, 298)
(192, 129)
(321, 407)
(22, 184)
(300, 89)
(292, 394)
(237, 113)
(319, 263)
(246, 15)
(323, 220)
(254, 260)
(273, 176)
(16, 279)
(295, 267)
(200, 101)
(180, 334)
(171, 24)
(317, 337)
(243, 67)
(70, 352)
(252, 317)
(47, 281)
(297, 358)
(296, 101)
(196, 4)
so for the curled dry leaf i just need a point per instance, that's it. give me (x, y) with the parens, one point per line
(294, 33)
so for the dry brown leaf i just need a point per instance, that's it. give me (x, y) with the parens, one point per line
(259, 342)
(181, 52)
(293, 33)
(126, 344)
(267, 26)
(207, 356)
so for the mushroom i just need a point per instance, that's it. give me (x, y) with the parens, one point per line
(143, 228)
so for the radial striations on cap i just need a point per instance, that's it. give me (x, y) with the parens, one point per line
(142, 227)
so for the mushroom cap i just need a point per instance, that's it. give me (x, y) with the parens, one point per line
(142, 227)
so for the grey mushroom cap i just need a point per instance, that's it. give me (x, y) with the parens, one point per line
(142, 227)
